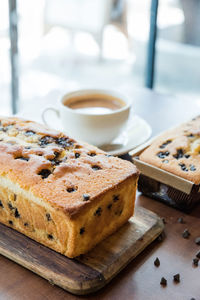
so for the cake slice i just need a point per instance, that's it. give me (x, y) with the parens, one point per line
(64, 194)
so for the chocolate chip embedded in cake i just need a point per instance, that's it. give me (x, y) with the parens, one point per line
(17, 215)
(183, 167)
(165, 144)
(179, 154)
(48, 216)
(162, 154)
(82, 230)
(98, 212)
(86, 197)
(44, 173)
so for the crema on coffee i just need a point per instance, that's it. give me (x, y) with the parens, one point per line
(94, 103)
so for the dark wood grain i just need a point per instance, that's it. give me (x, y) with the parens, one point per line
(140, 279)
(92, 271)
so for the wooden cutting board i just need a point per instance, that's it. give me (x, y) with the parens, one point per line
(89, 272)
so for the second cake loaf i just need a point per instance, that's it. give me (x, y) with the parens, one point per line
(177, 151)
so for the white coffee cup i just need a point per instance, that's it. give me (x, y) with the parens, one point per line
(86, 123)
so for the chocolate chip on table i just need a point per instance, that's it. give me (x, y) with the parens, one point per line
(98, 212)
(183, 167)
(162, 154)
(192, 299)
(165, 144)
(44, 173)
(195, 261)
(179, 154)
(17, 215)
(161, 237)
(186, 234)
(180, 220)
(82, 230)
(198, 255)
(157, 262)
(163, 281)
(177, 278)
(197, 240)
(1, 204)
(86, 197)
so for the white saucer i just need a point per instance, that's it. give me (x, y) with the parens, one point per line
(136, 132)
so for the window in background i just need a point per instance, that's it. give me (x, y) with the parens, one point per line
(68, 44)
(4, 60)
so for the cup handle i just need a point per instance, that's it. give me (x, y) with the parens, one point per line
(56, 111)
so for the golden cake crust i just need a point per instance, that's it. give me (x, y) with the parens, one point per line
(177, 151)
(57, 168)
(67, 195)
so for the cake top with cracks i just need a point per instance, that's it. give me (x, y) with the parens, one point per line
(55, 167)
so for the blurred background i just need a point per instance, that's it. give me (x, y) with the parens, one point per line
(67, 44)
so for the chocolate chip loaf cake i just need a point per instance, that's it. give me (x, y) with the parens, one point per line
(64, 194)
(177, 151)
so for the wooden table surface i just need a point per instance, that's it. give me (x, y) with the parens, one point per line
(140, 279)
